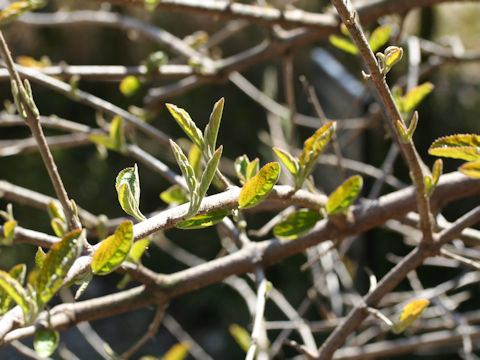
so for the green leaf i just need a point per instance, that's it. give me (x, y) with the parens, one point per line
(8, 232)
(129, 85)
(437, 171)
(343, 44)
(58, 227)
(379, 37)
(241, 164)
(55, 211)
(138, 248)
(128, 191)
(204, 220)
(177, 352)
(428, 185)
(195, 159)
(15, 290)
(342, 197)
(296, 224)
(155, 59)
(460, 146)
(186, 168)
(175, 194)
(56, 264)
(252, 169)
(416, 95)
(290, 162)
(113, 250)
(241, 336)
(393, 54)
(211, 130)
(18, 273)
(410, 314)
(209, 172)
(186, 123)
(471, 169)
(258, 187)
(115, 140)
(46, 342)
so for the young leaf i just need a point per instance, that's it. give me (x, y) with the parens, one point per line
(209, 172)
(174, 195)
(241, 336)
(186, 123)
(128, 190)
(252, 169)
(343, 44)
(113, 250)
(241, 164)
(296, 224)
(18, 272)
(15, 290)
(258, 187)
(55, 211)
(8, 232)
(410, 314)
(379, 37)
(415, 96)
(195, 159)
(129, 85)
(177, 352)
(45, 342)
(428, 185)
(138, 248)
(186, 168)
(437, 171)
(393, 54)
(116, 133)
(290, 162)
(204, 220)
(58, 227)
(471, 169)
(460, 146)
(342, 197)
(56, 264)
(211, 130)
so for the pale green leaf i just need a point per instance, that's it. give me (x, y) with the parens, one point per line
(379, 37)
(113, 250)
(258, 187)
(211, 130)
(204, 220)
(343, 44)
(15, 290)
(138, 248)
(296, 224)
(175, 194)
(241, 164)
(195, 159)
(411, 99)
(241, 336)
(45, 342)
(471, 169)
(460, 146)
(129, 85)
(177, 352)
(185, 167)
(58, 227)
(209, 172)
(186, 123)
(410, 314)
(290, 162)
(342, 197)
(56, 264)
(128, 190)
(252, 169)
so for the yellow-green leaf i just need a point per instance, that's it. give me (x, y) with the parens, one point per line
(241, 336)
(252, 169)
(45, 342)
(58, 227)
(258, 187)
(460, 146)
(211, 130)
(314, 145)
(113, 250)
(15, 290)
(177, 352)
(290, 162)
(343, 44)
(128, 191)
(186, 123)
(129, 85)
(9, 232)
(204, 220)
(410, 314)
(209, 172)
(56, 264)
(342, 197)
(296, 224)
(411, 99)
(437, 171)
(174, 195)
(138, 248)
(40, 257)
(379, 37)
(471, 169)
(195, 159)
(393, 54)
(185, 167)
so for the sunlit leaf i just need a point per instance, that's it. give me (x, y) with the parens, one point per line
(437, 170)
(343, 44)
(138, 248)
(314, 145)
(296, 224)
(8, 232)
(252, 169)
(410, 314)
(379, 37)
(211, 130)
(195, 159)
(241, 164)
(13, 11)
(204, 220)
(186, 123)
(113, 250)
(45, 342)
(411, 99)
(56, 211)
(28, 61)
(129, 85)
(177, 352)
(209, 172)
(115, 140)
(342, 197)
(128, 191)
(18, 273)
(290, 162)
(241, 336)
(175, 194)
(258, 187)
(471, 169)
(186, 168)
(58, 227)
(15, 290)
(393, 54)
(460, 146)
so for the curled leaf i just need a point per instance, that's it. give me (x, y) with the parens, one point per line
(186, 123)
(128, 191)
(410, 314)
(258, 187)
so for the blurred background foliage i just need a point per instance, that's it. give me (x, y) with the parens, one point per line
(454, 106)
